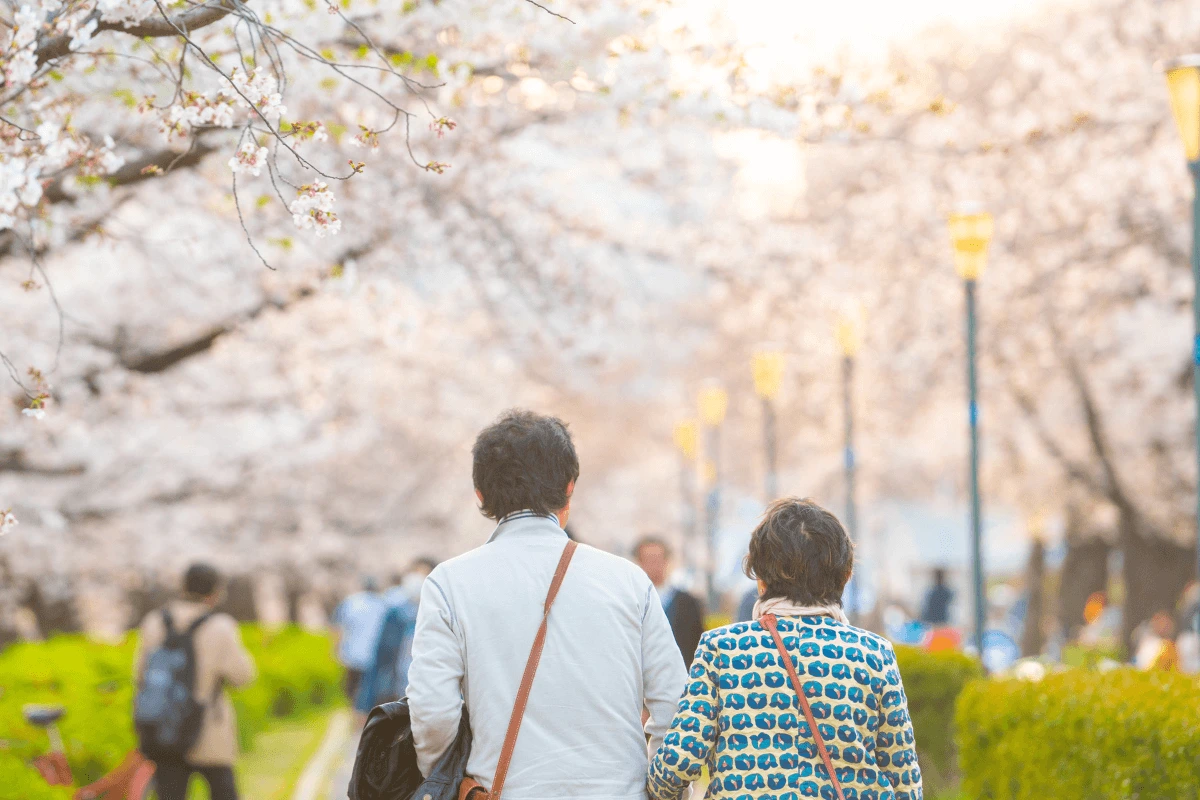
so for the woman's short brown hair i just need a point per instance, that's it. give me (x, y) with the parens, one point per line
(801, 552)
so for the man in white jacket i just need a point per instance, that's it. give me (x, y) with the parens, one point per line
(609, 650)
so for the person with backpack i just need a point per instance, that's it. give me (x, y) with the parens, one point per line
(551, 647)
(187, 654)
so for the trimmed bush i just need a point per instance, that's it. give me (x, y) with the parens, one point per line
(1081, 735)
(932, 682)
(297, 673)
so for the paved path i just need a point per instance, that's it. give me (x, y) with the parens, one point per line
(313, 783)
(339, 776)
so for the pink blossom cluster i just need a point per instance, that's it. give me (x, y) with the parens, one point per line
(25, 161)
(259, 89)
(198, 109)
(8, 521)
(249, 158)
(313, 210)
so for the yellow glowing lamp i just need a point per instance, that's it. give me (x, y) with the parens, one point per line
(713, 403)
(687, 439)
(767, 366)
(1183, 84)
(971, 233)
(846, 333)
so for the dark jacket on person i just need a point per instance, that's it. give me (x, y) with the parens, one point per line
(937, 605)
(687, 621)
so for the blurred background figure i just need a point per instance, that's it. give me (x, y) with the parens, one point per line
(357, 623)
(936, 608)
(1188, 642)
(221, 660)
(683, 609)
(386, 678)
(745, 611)
(1155, 645)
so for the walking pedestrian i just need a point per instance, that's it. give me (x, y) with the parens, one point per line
(387, 676)
(357, 622)
(747, 717)
(936, 609)
(186, 630)
(606, 649)
(683, 610)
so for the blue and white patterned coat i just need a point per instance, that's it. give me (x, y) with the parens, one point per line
(740, 717)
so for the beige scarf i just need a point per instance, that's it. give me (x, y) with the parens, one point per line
(783, 607)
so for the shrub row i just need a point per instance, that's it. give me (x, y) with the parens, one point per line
(933, 682)
(296, 674)
(1081, 735)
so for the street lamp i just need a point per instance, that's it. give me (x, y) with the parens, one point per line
(970, 232)
(1183, 83)
(846, 332)
(714, 402)
(767, 367)
(687, 439)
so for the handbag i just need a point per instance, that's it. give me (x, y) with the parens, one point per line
(768, 622)
(385, 766)
(471, 789)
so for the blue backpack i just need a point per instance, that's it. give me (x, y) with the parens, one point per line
(166, 714)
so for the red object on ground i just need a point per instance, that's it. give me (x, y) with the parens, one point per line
(129, 781)
(54, 769)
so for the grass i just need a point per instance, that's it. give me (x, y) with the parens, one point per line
(270, 770)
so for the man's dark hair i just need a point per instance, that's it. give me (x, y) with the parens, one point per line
(651, 541)
(524, 461)
(201, 580)
(801, 552)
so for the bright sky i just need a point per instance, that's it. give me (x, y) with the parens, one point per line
(789, 35)
(865, 26)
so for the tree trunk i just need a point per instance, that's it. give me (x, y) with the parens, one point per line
(295, 586)
(147, 596)
(53, 609)
(1084, 572)
(1033, 637)
(1156, 571)
(239, 599)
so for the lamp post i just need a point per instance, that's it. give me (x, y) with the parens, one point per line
(767, 367)
(1183, 83)
(687, 439)
(970, 233)
(714, 402)
(848, 340)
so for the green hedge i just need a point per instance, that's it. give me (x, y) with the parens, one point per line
(1081, 735)
(933, 682)
(297, 673)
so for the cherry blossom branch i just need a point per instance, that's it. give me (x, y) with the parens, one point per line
(191, 20)
(548, 11)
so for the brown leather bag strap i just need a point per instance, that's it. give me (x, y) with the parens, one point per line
(768, 622)
(535, 655)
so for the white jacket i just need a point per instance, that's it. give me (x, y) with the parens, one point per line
(609, 651)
